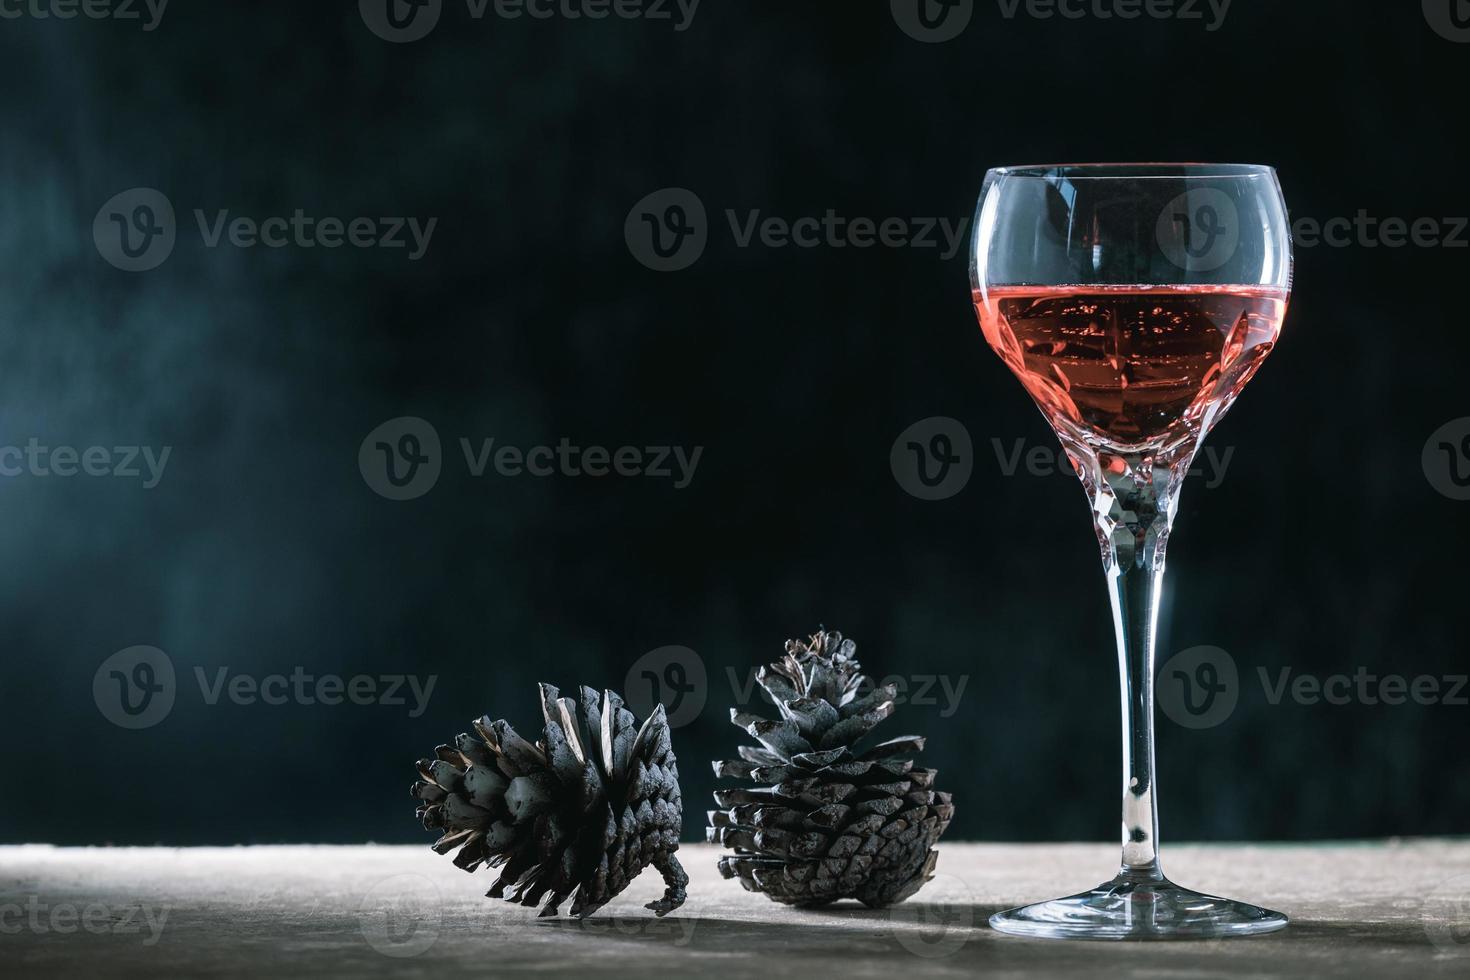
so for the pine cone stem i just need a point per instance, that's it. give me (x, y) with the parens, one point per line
(675, 879)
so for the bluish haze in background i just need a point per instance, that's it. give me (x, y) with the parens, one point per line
(263, 550)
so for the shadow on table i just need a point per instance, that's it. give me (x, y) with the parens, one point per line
(907, 932)
(1345, 935)
(837, 931)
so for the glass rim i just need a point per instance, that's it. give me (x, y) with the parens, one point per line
(1135, 171)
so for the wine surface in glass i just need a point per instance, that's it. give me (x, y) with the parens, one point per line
(1132, 367)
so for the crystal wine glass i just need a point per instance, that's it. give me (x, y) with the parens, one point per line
(1134, 302)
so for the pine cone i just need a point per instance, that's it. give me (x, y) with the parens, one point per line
(588, 807)
(834, 819)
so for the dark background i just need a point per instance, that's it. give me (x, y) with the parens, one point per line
(1325, 550)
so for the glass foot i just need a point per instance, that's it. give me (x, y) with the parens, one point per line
(1128, 909)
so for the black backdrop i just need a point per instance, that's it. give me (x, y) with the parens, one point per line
(262, 549)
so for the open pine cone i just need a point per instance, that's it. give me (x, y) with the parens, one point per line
(835, 816)
(587, 808)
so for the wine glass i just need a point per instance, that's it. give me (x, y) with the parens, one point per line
(1134, 302)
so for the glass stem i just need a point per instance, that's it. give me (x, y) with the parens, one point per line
(1135, 595)
(1134, 497)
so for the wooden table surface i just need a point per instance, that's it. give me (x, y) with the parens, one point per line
(1380, 909)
